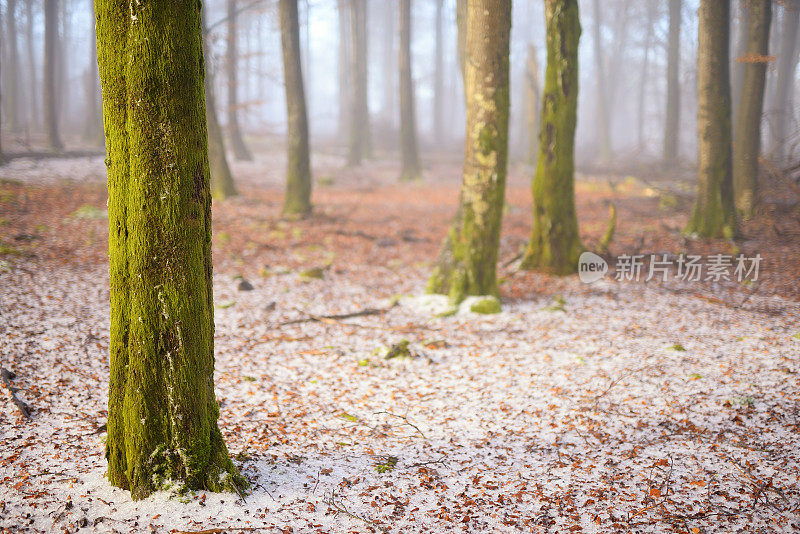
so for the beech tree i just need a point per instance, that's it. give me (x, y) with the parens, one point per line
(747, 147)
(672, 122)
(162, 413)
(533, 103)
(555, 245)
(232, 69)
(359, 147)
(50, 57)
(298, 173)
(713, 214)
(411, 167)
(467, 264)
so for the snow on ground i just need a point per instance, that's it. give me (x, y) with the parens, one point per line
(624, 409)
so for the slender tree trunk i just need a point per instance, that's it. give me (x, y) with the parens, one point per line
(737, 66)
(63, 87)
(162, 414)
(298, 173)
(411, 168)
(389, 68)
(359, 147)
(344, 70)
(2, 158)
(467, 264)
(33, 85)
(672, 122)
(237, 142)
(50, 55)
(555, 245)
(222, 184)
(93, 128)
(438, 77)
(751, 104)
(651, 15)
(603, 131)
(533, 104)
(14, 93)
(787, 64)
(713, 214)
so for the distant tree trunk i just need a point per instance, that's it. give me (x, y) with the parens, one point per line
(555, 245)
(389, 66)
(298, 173)
(93, 127)
(751, 104)
(222, 184)
(461, 26)
(359, 117)
(737, 67)
(672, 122)
(14, 93)
(713, 214)
(603, 122)
(33, 85)
(651, 15)
(237, 143)
(50, 55)
(344, 70)
(438, 77)
(787, 64)
(2, 158)
(63, 60)
(467, 264)
(411, 167)
(533, 104)
(162, 413)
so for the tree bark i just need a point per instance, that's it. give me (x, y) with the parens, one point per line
(603, 122)
(222, 184)
(713, 214)
(751, 104)
(555, 245)
(240, 150)
(13, 86)
(438, 77)
(672, 121)
(162, 413)
(411, 167)
(787, 64)
(359, 147)
(50, 56)
(467, 264)
(533, 104)
(33, 85)
(298, 173)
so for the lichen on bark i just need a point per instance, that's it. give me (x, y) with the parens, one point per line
(162, 413)
(467, 264)
(555, 245)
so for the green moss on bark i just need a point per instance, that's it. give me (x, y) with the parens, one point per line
(162, 415)
(467, 264)
(555, 245)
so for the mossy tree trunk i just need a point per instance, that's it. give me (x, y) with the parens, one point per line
(713, 214)
(240, 150)
(13, 87)
(162, 413)
(533, 104)
(672, 122)
(359, 145)
(50, 57)
(411, 167)
(555, 244)
(467, 264)
(751, 104)
(787, 64)
(298, 172)
(222, 184)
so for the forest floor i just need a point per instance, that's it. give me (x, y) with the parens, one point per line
(614, 406)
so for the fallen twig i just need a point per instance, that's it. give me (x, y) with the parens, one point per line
(405, 420)
(7, 377)
(337, 317)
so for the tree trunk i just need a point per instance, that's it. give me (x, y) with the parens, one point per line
(651, 15)
(411, 168)
(222, 184)
(93, 128)
(2, 158)
(298, 172)
(14, 93)
(344, 70)
(162, 414)
(359, 117)
(603, 122)
(237, 143)
(555, 245)
(751, 104)
(672, 120)
(33, 85)
(737, 66)
(389, 57)
(467, 264)
(462, 13)
(533, 104)
(713, 214)
(438, 77)
(50, 55)
(787, 64)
